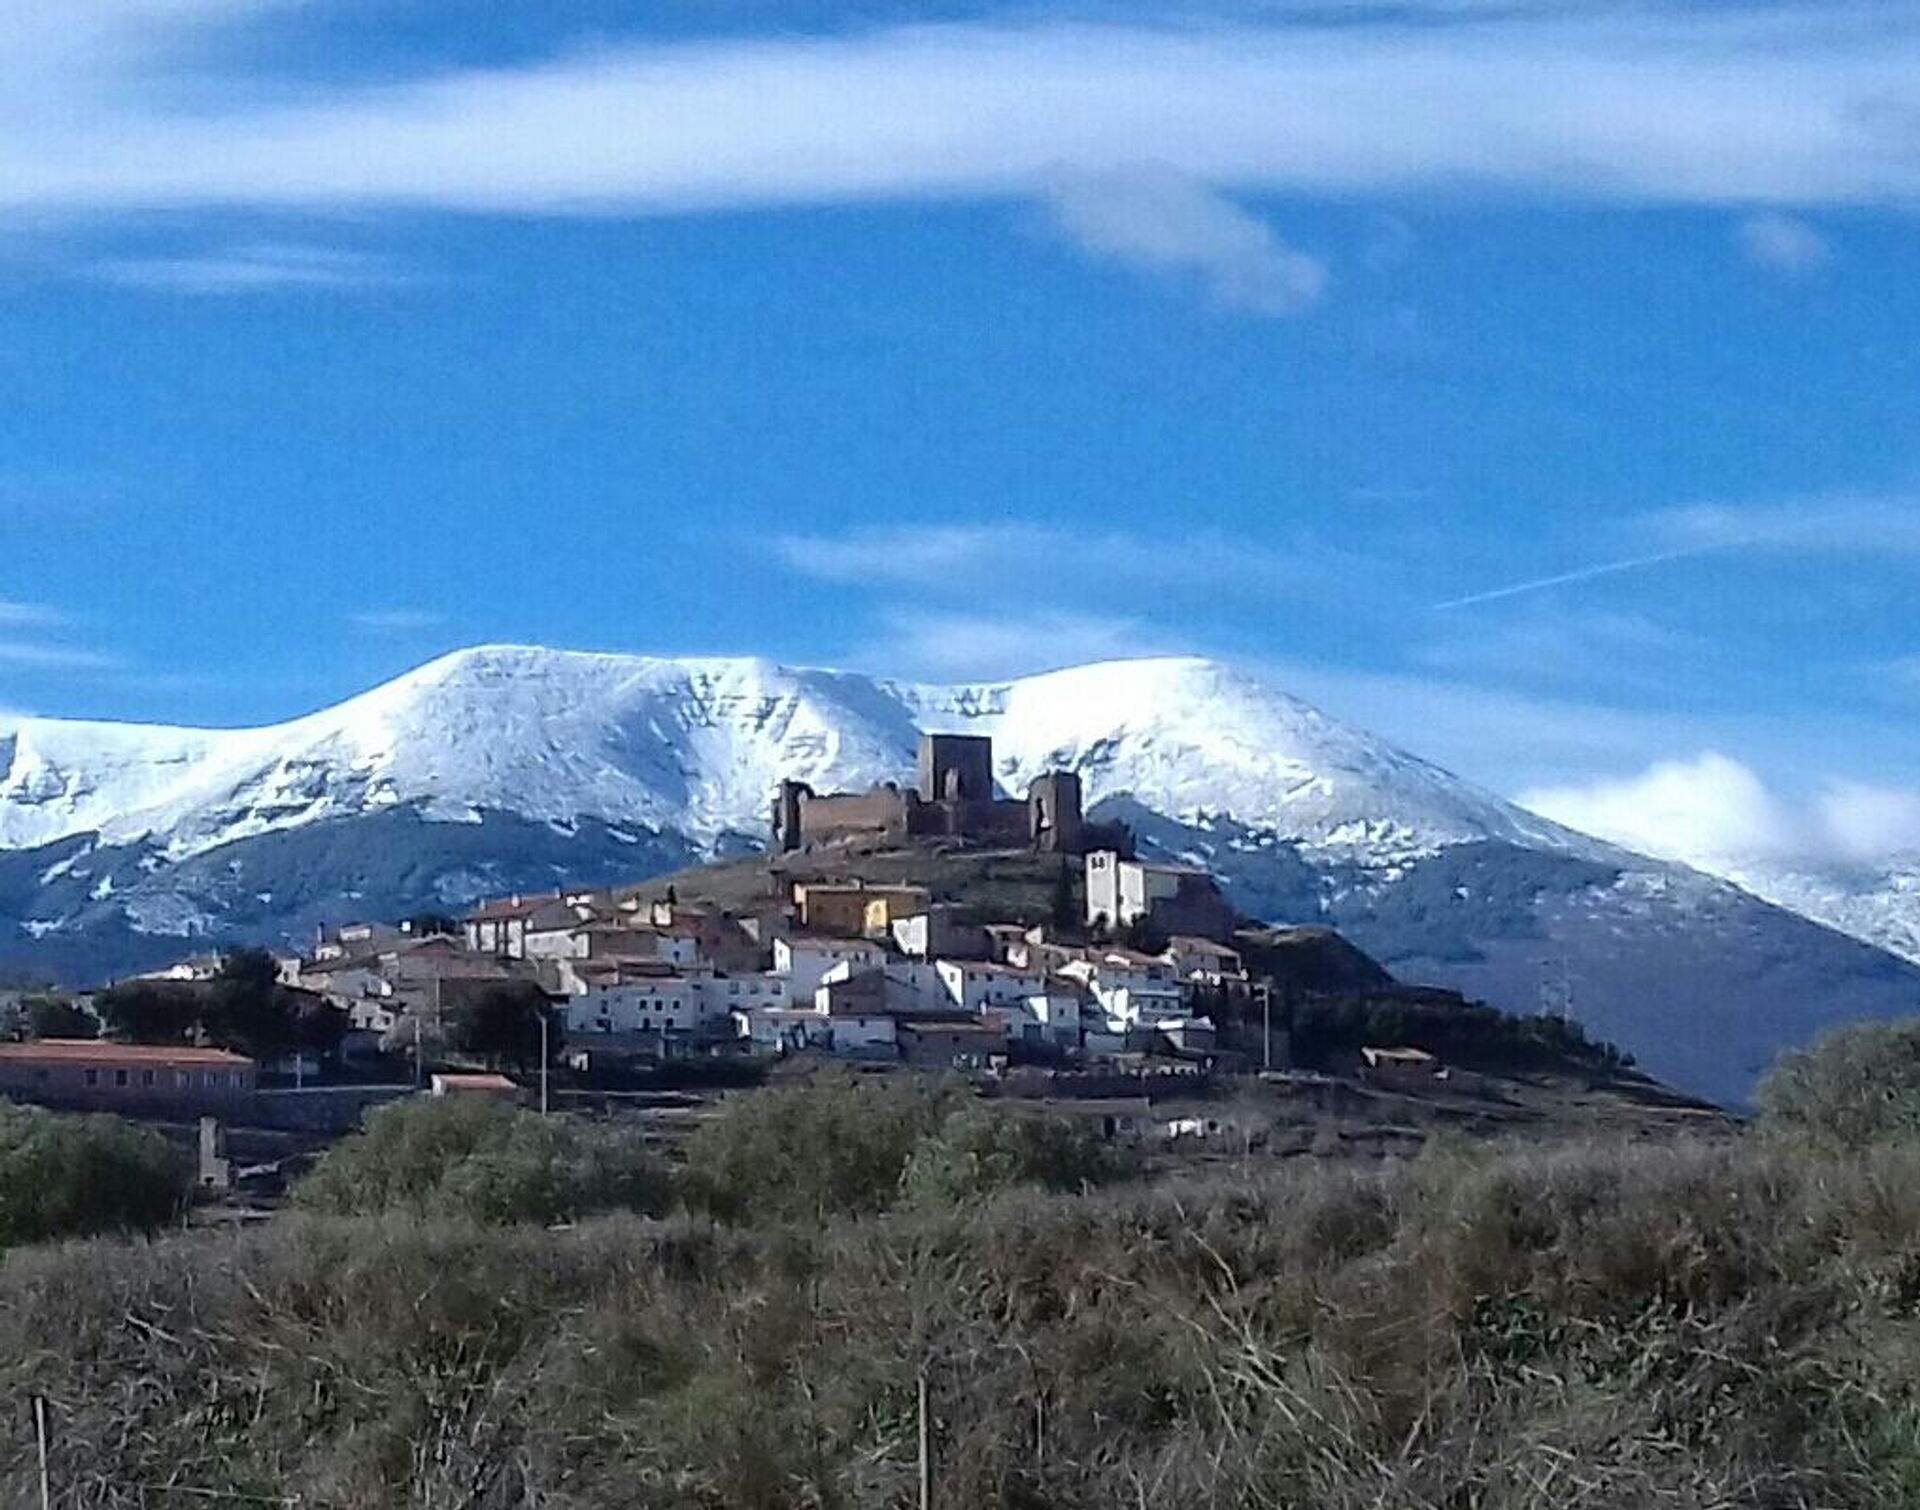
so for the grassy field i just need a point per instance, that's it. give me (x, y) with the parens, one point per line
(1724, 1323)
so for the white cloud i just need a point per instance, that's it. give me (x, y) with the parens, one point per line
(1869, 822)
(1709, 807)
(1839, 523)
(396, 620)
(1782, 243)
(985, 646)
(28, 615)
(118, 103)
(1716, 812)
(1161, 221)
(1002, 557)
(255, 267)
(43, 656)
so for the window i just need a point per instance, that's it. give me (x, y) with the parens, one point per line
(183, 1078)
(119, 1077)
(146, 1077)
(93, 1077)
(234, 1079)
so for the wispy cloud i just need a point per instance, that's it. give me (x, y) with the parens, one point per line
(43, 655)
(18, 615)
(1745, 106)
(1827, 523)
(995, 558)
(1782, 243)
(1713, 811)
(970, 646)
(1160, 221)
(1557, 646)
(396, 620)
(256, 267)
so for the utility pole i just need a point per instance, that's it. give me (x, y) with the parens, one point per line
(1266, 1024)
(926, 1445)
(543, 1061)
(40, 1434)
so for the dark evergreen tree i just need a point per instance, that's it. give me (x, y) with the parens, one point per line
(1066, 912)
(502, 1025)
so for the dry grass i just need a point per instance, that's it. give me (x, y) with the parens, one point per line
(1603, 1326)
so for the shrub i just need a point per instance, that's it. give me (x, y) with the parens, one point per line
(978, 1151)
(67, 1176)
(838, 1145)
(482, 1160)
(1725, 1322)
(1854, 1085)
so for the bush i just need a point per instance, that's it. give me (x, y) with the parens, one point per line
(1724, 1322)
(838, 1145)
(485, 1161)
(978, 1151)
(67, 1176)
(1855, 1085)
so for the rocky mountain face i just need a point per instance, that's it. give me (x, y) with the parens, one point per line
(506, 768)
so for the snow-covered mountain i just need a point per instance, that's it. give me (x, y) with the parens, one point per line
(697, 746)
(505, 767)
(1877, 902)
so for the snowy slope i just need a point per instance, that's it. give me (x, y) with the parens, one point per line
(697, 746)
(506, 768)
(1878, 903)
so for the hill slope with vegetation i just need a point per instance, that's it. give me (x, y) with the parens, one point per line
(1698, 1322)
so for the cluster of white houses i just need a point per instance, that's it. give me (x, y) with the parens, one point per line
(845, 967)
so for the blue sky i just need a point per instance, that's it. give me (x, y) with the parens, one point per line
(1536, 383)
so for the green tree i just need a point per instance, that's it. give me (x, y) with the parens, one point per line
(51, 1016)
(245, 1008)
(65, 1176)
(150, 1011)
(979, 1150)
(1143, 937)
(1854, 1085)
(1065, 909)
(501, 1024)
(837, 1145)
(464, 1156)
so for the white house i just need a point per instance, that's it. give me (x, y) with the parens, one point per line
(937, 933)
(785, 1030)
(739, 993)
(665, 1004)
(974, 985)
(804, 959)
(1130, 987)
(1180, 898)
(1056, 1012)
(1203, 960)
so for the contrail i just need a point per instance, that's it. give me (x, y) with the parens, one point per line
(1580, 574)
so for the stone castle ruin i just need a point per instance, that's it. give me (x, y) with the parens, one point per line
(954, 798)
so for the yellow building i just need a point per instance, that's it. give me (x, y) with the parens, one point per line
(852, 909)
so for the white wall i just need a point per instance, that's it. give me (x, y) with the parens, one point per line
(805, 962)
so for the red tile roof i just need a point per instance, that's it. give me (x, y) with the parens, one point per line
(103, 1051)
(510, 907)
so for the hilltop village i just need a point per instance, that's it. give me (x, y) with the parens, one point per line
(872, 931)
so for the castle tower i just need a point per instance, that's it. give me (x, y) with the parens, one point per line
(788, 831)
(955, 768)
(1054, 819)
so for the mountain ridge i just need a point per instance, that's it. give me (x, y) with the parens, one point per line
(502, 768)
